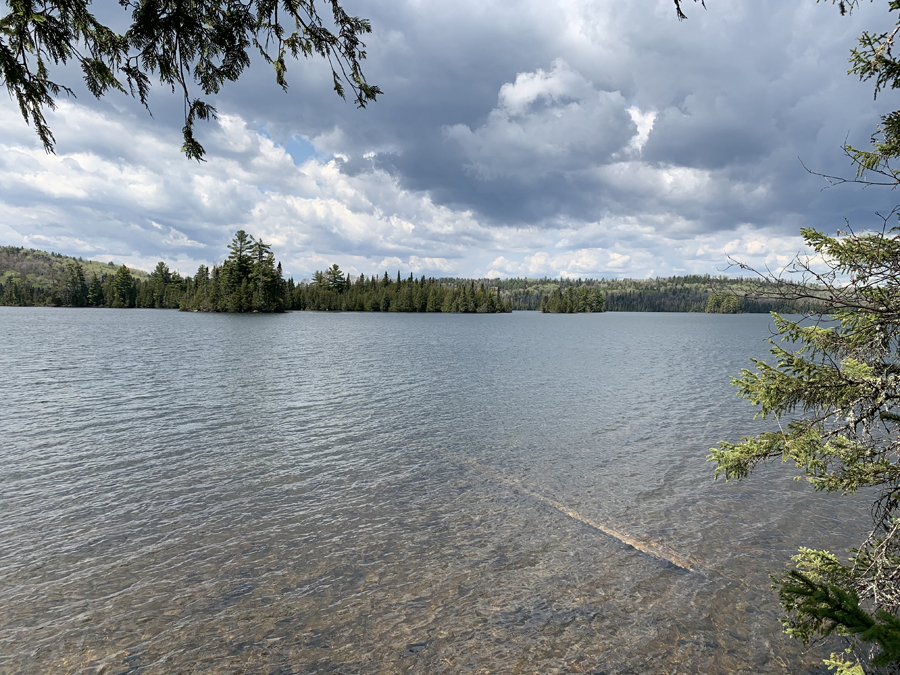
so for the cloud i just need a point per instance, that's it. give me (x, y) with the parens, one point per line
(643, 120)
(179, 239)
(545, 123)
(574, 138)
(312, 213)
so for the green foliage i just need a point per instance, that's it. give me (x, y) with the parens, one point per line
(163, 290)
(29, 277)
(584, 299)
(874, 59)
(817, 607)
(334, 279)
(205, 43)
(835, 393)
(332, 291)
(43, 269)
(840, 665)
(248, 281)
(670, 294)
(95, 292)
(73, 288)
(724, 303)
(123, 292)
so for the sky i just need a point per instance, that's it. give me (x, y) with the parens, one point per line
(513, 138)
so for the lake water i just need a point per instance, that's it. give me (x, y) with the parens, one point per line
(368, 493)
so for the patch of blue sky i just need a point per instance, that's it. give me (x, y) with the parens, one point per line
(300, 149)
(296, 146)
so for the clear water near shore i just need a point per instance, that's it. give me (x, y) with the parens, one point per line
(367, 493)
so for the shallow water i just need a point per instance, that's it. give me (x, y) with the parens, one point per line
(367, 493)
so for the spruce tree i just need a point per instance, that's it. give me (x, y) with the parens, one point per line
(95, 292)
(836, 394)
(74, 289)
(123, 291)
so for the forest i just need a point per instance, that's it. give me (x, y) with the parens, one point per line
(690, 293)
(251, 280)
(332, 290)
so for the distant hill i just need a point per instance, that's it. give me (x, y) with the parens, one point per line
(42, 269)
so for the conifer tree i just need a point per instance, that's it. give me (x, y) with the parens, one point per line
(240, 256)
(836, 395)
(263, 278)
(123, 291)
(95, 292)
(159, 280)
(844, 381)
(334, 279)
(74, 289)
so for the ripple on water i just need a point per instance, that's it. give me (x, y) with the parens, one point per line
(334, 493)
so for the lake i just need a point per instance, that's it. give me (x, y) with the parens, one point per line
(385, 493)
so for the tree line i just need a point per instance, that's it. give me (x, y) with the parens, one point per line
(332, 290)
(71, 287)
(689, 293)
(251, 280)
(248, 280)
(573, 301)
